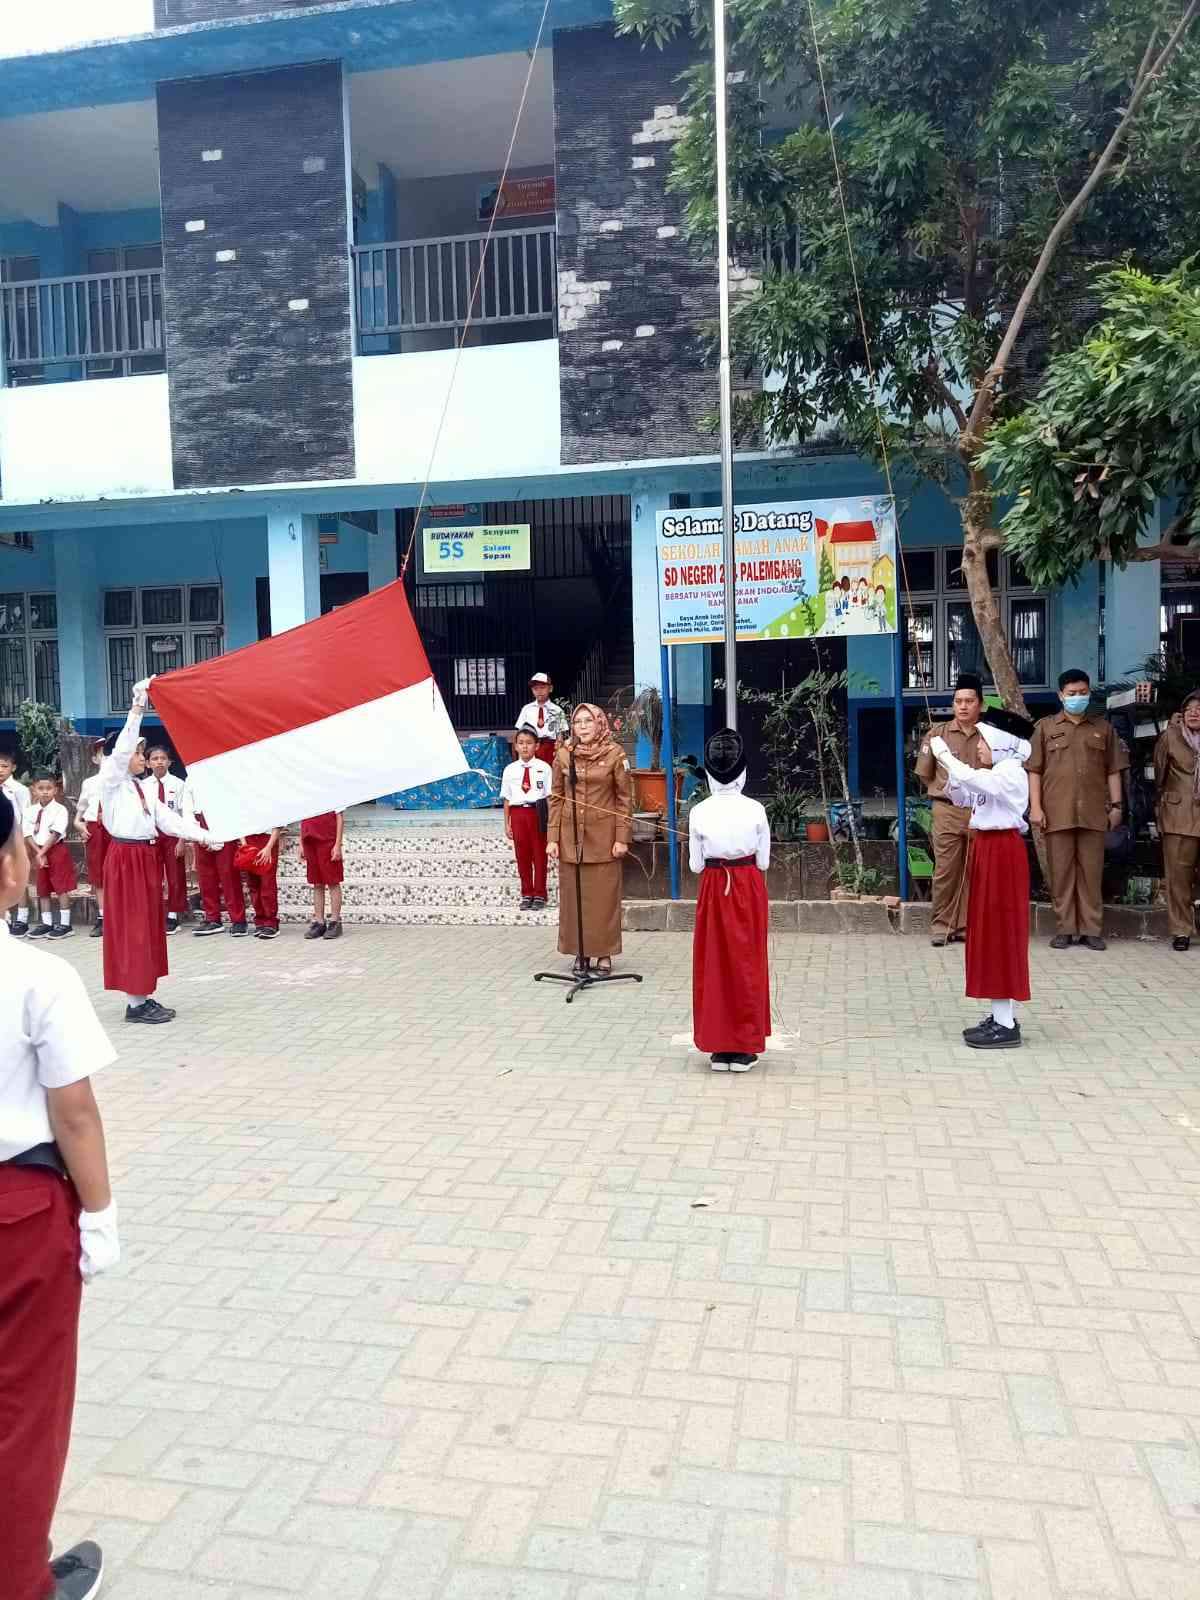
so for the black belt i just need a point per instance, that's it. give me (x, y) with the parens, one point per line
(741, 861)
(42, 1155)
(117, 839)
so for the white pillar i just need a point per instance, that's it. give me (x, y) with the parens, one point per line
(293, 567)
(381, 551)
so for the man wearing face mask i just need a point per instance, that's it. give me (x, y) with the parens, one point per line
(1074, 798)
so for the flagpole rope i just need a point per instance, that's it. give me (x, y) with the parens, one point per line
(483, 260)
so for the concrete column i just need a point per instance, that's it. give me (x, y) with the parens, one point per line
(648, 499)
(1131, 617)
(381, 551)
(293, 565)
(81, 663)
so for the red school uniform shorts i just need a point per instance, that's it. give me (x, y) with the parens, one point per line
(317, 838)
(58, 875)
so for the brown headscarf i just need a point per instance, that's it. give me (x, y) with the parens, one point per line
(1192, 740)
(596, 749)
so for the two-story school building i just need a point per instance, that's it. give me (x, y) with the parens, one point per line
(239, 246)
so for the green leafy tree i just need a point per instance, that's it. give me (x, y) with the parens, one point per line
(989, 153)
(825, 575)
(1114, 429)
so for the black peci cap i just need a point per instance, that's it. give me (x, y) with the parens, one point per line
(1008, 722)
(969, 680)
(725, 756)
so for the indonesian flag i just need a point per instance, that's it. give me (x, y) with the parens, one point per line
(340, 710)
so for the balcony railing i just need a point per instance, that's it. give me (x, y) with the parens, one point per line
(427, 284)
(109, 321)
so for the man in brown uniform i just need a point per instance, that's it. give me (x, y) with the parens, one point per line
(950, 822)
(1074, 798)
(1177, 773)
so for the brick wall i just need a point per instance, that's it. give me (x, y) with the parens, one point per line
(257, 291)
(632, 298)
(173, 13)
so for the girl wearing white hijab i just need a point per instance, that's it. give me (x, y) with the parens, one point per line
(998, 917)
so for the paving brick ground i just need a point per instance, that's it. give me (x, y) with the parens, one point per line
(438, 1289)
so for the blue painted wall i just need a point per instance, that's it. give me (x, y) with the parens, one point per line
(62, 250)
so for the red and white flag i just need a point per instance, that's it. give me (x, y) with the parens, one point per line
(340, 710)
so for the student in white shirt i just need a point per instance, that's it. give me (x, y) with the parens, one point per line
(525, 790)
(135, 943)
(45, 826)
(162, 785)
(729, 844)
(18, 796)
(58, 1229)
(89, 825)
(216, 875)
(548, 721)
(997, 964)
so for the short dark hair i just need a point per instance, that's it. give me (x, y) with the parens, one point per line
(1073, 675)
(42, 776)
(153, 750)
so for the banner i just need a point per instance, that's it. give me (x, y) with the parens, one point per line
(806, 569)
(448, 552)
(520, 197)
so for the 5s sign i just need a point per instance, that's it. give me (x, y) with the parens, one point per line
(492, 547)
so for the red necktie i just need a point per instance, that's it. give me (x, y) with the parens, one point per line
(525, 782)
(541, 716)
(162, 793)
(37, 827)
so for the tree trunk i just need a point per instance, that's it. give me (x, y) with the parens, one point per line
(75, 763)
(977, 534)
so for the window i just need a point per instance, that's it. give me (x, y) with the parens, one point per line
(28, 651)
(479, 675)
(156, 630)
(22, 319)
(1180, 598)
(449, 596)
(940, 636)
(16, 541)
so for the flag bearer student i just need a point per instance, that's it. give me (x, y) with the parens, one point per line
(18, 796)
(950, 822)
(264, 884)
(45, 827)
(135, 944)
(1177, 773)
(58, 1229)
(89, 825)
(216, 875)
(321, 842)
(729, 844)
(548, 720)
(1074, 798)
(525, 790)
(162, 784)
(998, 925)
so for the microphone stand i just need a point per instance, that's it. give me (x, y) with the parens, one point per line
(583, 976)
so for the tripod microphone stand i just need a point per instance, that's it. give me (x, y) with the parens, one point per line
(583, 977)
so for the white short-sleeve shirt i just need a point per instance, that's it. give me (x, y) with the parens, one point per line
(40, 823)
(18, 794)
(172, 790)
(88, 809)
(553, 721)
(50, 1037)
(540, 781)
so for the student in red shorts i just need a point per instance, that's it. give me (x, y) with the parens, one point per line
(264, 883)
(45, 826)
(321, 841)
(89, 825)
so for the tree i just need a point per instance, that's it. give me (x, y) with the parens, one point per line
(825, 574)
(982, 156)
(1115, 427)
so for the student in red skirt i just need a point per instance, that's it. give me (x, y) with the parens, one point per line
(45, 826)
(998, 916)
(89, 825)
(321, 842)
(135, 933)
(729, 844)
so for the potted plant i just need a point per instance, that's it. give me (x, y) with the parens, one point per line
(644, 716)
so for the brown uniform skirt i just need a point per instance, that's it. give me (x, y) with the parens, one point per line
(601, 885)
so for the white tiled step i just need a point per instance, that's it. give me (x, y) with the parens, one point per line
(381, 865)
(441, 890)
(433, 916)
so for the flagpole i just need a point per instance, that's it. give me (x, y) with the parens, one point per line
(720, 74)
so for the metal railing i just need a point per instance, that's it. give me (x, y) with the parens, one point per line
(420, 285)
(103, 316)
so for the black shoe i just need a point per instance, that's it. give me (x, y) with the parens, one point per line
(97, 929)
(146, 1012)
(582, 966)
(333, 930)
(315, 930)
(957, 938)
(526, 902)
(62, 930)
(1094, 942)
(994, 1038)
(77, 1572)
(741, 1063)
(539, 903)
(167, 1011)
(266, 932)
(19, 930)
(1182, 943)
(1062, 941)
(239, 930)
(720, 1062)
(172, 924)
(40, 930)
(939, 941)
(989, 1022)
(204, 930)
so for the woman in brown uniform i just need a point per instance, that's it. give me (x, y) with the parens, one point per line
(1177, 772)
(590, 769)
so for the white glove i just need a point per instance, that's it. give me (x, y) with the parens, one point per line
(141, 692)
(213, 844)
(101, 1249)
(939, 747)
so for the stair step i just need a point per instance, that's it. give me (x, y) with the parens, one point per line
(498, 892)
(434, 916)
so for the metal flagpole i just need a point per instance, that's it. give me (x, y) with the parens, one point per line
(720, 74)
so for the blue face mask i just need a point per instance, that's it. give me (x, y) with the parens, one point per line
(1076, 704)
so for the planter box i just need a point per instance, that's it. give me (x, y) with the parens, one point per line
(798, 871)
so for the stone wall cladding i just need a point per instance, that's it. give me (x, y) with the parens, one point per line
(632, 297)
(175, 13)
(259, 352)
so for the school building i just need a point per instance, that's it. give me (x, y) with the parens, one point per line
(238, 248)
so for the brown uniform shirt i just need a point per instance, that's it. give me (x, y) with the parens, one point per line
(1075, 760)
(1174, 769)
(963, 745)
(605, 798)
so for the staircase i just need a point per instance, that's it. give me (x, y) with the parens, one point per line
(437, 869)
